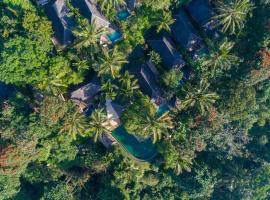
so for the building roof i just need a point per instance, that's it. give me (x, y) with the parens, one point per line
(146, 80)
(58, 13)
(131, 4)
(88, 9)
(42, 2)
(114, 110)
(201, 11)
(83, 8)
(87, 92)
(185, 34)
(165, 47)
(203, 14)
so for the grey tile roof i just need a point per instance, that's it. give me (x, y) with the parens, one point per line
(114, 109)
(88, 9)
(185, 34)
(58, 13)
(131, 4)
(42, 2)
(201, 11)
(83, 8)
(146, 80)
(203, 14)
(165, 47)
(86, 92)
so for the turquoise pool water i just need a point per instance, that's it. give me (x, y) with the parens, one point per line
(115, 36)
(162, 109)
(122, 15)
(141, 150)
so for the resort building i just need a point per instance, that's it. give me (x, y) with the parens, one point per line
(164, 46)
(62, 22)
(89, 10)
(114, 111)
(202, 14)
(84, 96)
(184, 33)
(147, 81)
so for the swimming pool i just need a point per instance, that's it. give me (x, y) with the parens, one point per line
(140, 150)
(122, 15)
(114, 36)
(162, 109)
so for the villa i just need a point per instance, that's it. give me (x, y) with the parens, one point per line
(164, 46)
(202, 14)
(186, 35)
(90, 11)
(62, 22)
(147, 81)
(83, 96)
(114, 111)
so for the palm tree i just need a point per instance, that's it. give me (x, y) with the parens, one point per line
(110, 62)
(81, 65)
(154, 57)
(98, 124)
(222, 59)
(232, 15)
(183, 163)
(156, 125)
(128, 85)
(114, 3)
(110, 89)
(165, 22)
(87, 35)
(75, 124)
(199, 98)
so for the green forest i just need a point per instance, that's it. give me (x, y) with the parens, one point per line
(134, 99)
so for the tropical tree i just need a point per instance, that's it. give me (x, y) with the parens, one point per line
(175, 158)
(110, 89)
(172, 78)
(115, 3)
(75, 124)
(98, 124)
(164, 22)
(128, 85)
(232, 14)
(221, 59)
(156, 125)
(109, 63)
(154, 57)
(199, 97)
(87, 35)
